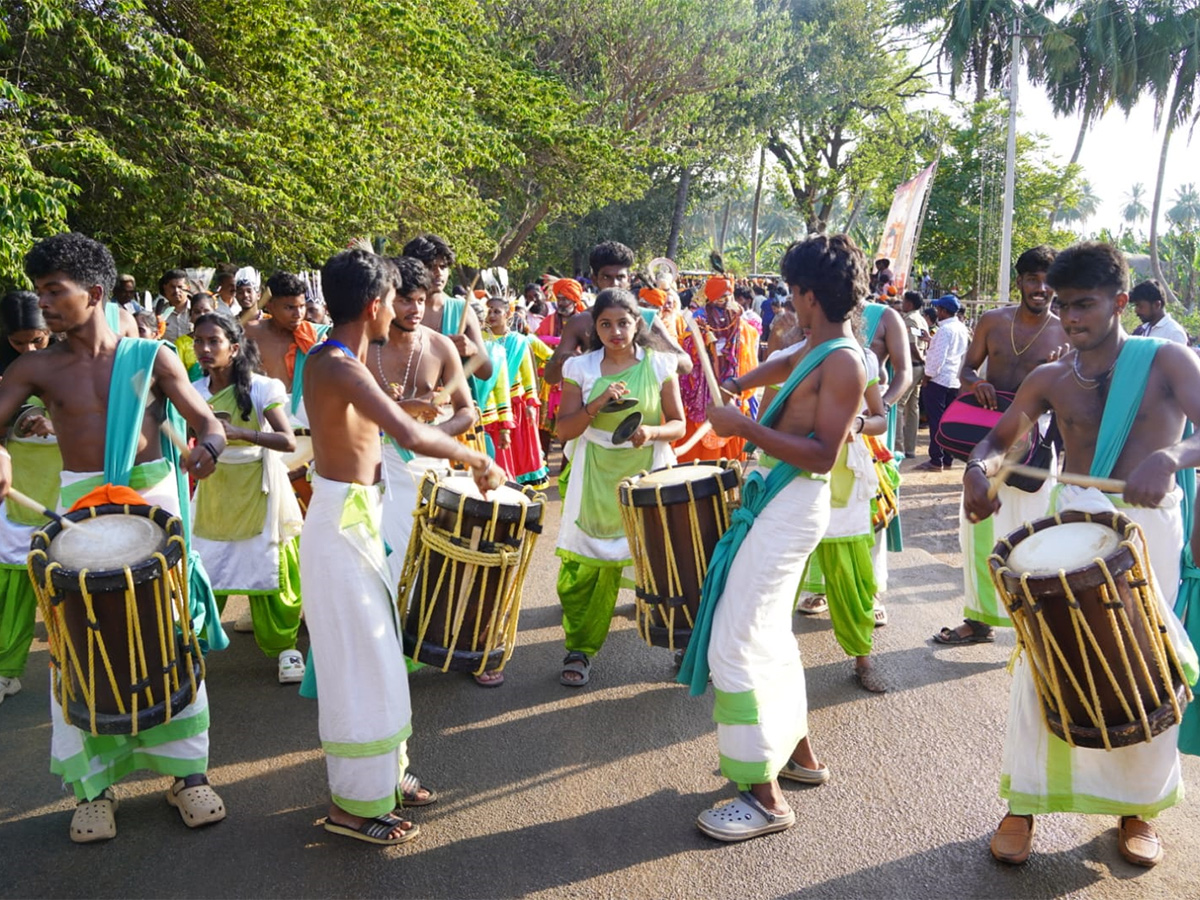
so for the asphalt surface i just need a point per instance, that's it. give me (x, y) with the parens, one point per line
(548, 791)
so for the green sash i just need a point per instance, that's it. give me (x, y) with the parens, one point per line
(452, 315)
(112, 315)
(872, 316)
(127, 394)
(757, 492)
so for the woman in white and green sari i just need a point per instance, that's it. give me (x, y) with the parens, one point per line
(591, 539)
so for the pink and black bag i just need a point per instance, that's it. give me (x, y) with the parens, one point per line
(966, 422)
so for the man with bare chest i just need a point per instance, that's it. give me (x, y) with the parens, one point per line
(410, 366)
(364, 712)
(450, 316)
(761, 705)
(94, 385)
(1012, 341)
(1122, 404)
(284, 336)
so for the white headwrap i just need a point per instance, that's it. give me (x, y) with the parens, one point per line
(249, 275)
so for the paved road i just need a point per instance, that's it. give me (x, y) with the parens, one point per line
(552, 792)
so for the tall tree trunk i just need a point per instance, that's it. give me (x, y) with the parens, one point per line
(762, 165)
(681, 200)
(1155, 265)
(1083, 126)
(724, 225)
(519, 234)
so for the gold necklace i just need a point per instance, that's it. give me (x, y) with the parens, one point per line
(1012, 333)
(1090, 384)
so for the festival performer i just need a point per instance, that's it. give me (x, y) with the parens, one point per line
(568, 300)
(610, 263)
(105, 435)
(36, 465)
(1011, 341)
(443, 313)
(732, 345)
(410, 366)
(246, 520)
(591, 537)
(528, 463)
(1097, 393)
(841, 574)
(742, 633)
(284, 336)
(247, 284)
(364, 711)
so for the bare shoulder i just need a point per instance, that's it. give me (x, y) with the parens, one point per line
(439, 344)
(579, 325)
(1179, 364)
(993, 317)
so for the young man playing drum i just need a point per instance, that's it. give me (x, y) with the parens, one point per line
(363, 711)
(761, 707)
(92, 384)
(1098, 392)
(1012, 341)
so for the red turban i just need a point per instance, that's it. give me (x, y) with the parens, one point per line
(569, 289)
(653, 296)
(717, 287)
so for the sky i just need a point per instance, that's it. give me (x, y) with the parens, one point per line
(1116, 153)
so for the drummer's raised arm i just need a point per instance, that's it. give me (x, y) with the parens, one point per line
(171, 380)
(774, 371)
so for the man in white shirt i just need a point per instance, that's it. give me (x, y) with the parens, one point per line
(1150, 303)
(173, 304)
(940, 384)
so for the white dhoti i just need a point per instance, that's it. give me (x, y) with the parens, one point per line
(1042, 773)
(977, 539)
(364, 715)
(761, 707)
(90, 763)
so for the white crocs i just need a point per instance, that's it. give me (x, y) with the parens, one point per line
(198, 805)
(291, 667)
(741, 819)
(95, 820)
(9, 686)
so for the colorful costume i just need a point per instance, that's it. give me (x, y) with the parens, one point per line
(550, 334)
(743, 632)
(246, 521)
(529, 465)
(1042, 773)
(732, 346)
(305, 336)
(492, 396)
(872, 316)
(363, 713)
(591, 538)
(36, 464)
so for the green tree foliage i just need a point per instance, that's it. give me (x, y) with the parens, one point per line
(954, 246)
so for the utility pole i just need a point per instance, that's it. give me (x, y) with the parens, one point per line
(1010, 167)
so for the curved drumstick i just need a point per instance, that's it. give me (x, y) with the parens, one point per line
(442, 394)
(714, 388)
(685, 448)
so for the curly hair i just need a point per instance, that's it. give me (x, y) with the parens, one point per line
(1089, 265)
(285, 284)
(429, 248)
(411, 275)
(610, 253)
(833, 268)
(350, 280)
(85, 261)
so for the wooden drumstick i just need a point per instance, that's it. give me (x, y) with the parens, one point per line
(29, 503)
(685, 448)
(1105, 485)
(442, 394)
(705, 363)
(177, 439)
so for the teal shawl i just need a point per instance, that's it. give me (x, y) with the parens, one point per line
(127, 395)
(1128, 385)
(872, 316)
(757, 492)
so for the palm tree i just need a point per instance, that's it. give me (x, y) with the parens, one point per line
(1186, 210)
(1134, 209)
(1086, 203)
(1172, 58)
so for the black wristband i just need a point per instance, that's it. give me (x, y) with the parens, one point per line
(978, 464)
(211, 452)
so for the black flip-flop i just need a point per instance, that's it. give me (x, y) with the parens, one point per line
(952, 637)
(375, 831)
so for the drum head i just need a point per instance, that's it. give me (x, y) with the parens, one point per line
(465, 485)
(615, 406)
(674, 484)
(1070, 546)
(107, 542)
(628, 426)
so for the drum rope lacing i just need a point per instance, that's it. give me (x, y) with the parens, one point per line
(1048, 650)
(66, 658)
(428, 538)
(670, 600)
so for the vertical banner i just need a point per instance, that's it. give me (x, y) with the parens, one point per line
(903, 224)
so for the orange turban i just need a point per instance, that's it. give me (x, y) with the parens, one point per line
(480, 295)
(717, 287)
(569, 289)
(653, 296)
